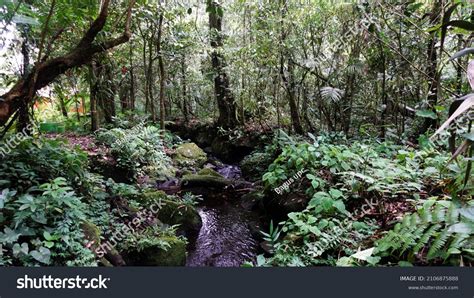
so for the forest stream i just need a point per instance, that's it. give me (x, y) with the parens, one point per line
(225, 238)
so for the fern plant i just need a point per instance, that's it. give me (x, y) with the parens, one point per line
(139, 149)
(439, 232)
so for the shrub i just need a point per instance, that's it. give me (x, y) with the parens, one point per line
(139, 149)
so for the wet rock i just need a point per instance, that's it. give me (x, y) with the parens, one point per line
(175, 213)
(189, 154)
(205, 180)
(170, 186)
(210, 172)
(230, 172)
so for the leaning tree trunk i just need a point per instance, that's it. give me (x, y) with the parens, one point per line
(47, 70)
(224, 97)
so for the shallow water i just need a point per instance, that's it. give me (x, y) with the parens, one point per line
(225, 238)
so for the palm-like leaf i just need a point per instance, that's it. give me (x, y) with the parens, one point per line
(331, 94)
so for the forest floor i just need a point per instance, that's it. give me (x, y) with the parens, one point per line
(358, 202)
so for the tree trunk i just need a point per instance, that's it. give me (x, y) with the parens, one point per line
(224, 97)
(289, 82)
(161, 67)
(107, 90)
(93, 96)
(131, 103)
(184, 108)
(23, 112)
(432, 70)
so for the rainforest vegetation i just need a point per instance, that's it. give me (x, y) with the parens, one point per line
(236, 133)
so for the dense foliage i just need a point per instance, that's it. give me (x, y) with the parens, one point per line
(351, 119)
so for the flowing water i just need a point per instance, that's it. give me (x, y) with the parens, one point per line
(225, 238)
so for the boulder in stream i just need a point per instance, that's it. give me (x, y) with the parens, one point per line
(174, 212)
(205, 178)
(189, 154)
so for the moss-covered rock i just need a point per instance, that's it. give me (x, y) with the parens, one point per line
(176, 213)
(204, 181)
(153, 253)
(172, 256)
(173, 212)
(209, 172)
(189, 154)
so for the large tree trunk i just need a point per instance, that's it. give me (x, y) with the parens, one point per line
(161, 67)
(106, 92)
(289, 81)
(224, 97)
(44, 72)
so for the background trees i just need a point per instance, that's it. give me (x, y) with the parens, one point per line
(379, 69)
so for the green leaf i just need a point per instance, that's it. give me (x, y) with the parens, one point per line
(49, 244)
(462, 228)
(363, 255)
(9, 235)
(47, 236)
(405, 264)
(42, 255)
(426, 114)
(335, 193)
(20, 249)
(339, 205)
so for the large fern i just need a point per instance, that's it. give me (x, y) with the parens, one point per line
(439, 232)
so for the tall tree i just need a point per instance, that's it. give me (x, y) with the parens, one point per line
(288, 73)
(224, 97)
(161, 67)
